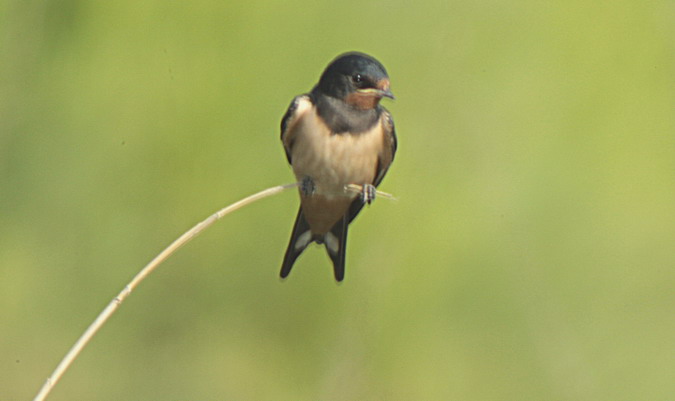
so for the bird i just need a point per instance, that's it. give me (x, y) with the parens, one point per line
(336, 135)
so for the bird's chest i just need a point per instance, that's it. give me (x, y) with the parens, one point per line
(335, 160)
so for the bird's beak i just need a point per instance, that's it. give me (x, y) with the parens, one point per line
(387, 93)
(383, 89)
(377, 92)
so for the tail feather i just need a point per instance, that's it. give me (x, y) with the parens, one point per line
(335, 242)
(300, 238)
(336, 245)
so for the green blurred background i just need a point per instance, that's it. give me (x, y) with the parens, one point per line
(530, 255)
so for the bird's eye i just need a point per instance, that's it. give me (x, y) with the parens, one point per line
(357, 78)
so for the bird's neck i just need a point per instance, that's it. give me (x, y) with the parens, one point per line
(342, 118)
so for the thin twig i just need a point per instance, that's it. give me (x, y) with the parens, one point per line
(380, 194)
(117, 301)
(149, 268)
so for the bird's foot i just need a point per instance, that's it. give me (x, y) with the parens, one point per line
(307, 186)
(368, 193)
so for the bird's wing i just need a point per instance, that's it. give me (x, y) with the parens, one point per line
(389, 148)
(295, 111)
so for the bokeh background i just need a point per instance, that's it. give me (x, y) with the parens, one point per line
(530, 254)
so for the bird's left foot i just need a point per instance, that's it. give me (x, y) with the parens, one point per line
(307, 186)
(368, 193)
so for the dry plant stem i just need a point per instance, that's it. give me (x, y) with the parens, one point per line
(182, 240)
(117, 301)
(380, 194)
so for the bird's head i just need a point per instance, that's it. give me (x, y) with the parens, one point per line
(357, 79)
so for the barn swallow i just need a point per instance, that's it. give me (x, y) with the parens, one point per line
(337, 134)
